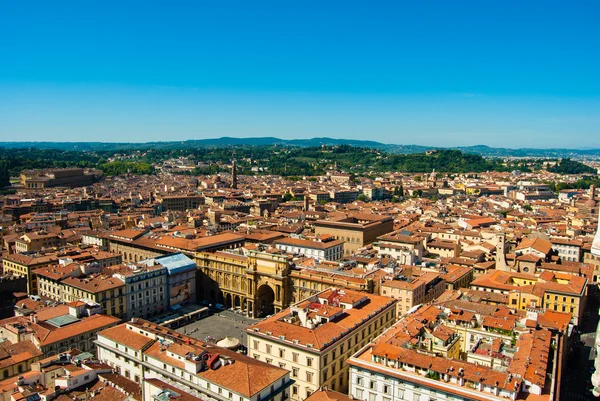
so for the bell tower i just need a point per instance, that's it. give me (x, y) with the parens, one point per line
(233, 175)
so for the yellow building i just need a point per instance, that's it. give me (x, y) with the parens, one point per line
(25, 266)
(557, 291)
(257, 283)
(16, 358)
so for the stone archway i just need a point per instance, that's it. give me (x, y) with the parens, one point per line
(228, 301)
(236, 301)
(265, 296)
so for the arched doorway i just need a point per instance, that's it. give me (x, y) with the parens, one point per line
(264, 301)
(228, 301)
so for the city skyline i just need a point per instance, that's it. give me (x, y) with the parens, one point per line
(499, 74)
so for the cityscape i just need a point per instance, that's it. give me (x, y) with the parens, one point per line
(280, 201)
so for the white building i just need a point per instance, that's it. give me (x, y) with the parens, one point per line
(326, 248)
(160, 359)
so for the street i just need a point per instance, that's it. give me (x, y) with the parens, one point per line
(576, 375)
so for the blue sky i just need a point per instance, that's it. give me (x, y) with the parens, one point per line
(501, 73)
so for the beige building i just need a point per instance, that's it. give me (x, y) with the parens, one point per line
(308, 281)
(405, 248)
(66, 177)
(181, 202)
(313, 338)
(412, 291)
(57, 329)
(357, 230)
(35, 241)
(69, 283)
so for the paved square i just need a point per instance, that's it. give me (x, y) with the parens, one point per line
(218, 326)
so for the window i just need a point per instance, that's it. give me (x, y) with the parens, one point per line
(294, 390)
(268, 346)
(359, 381)
(372, 396)
(255, 344)
(372, 385)
(295, 356)
(359, 394)
(294, 372)
(386, 388)
(309, 377)
(309, 362)
(281, 353)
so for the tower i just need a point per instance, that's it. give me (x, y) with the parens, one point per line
(457, 249)
(501, 253)
(233, 175)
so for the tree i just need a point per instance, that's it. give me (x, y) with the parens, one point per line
(362, 197)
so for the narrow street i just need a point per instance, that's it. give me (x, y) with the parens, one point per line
(577, 373)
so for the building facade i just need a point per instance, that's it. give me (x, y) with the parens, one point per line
(313, 338)
(159, 358)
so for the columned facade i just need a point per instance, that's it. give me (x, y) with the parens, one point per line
(257, 284)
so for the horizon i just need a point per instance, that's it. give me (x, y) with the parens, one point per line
(308, 139)
(501, 74)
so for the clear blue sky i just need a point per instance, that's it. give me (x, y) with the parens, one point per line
(502, 73)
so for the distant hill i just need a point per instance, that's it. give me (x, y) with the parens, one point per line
(481, 150)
